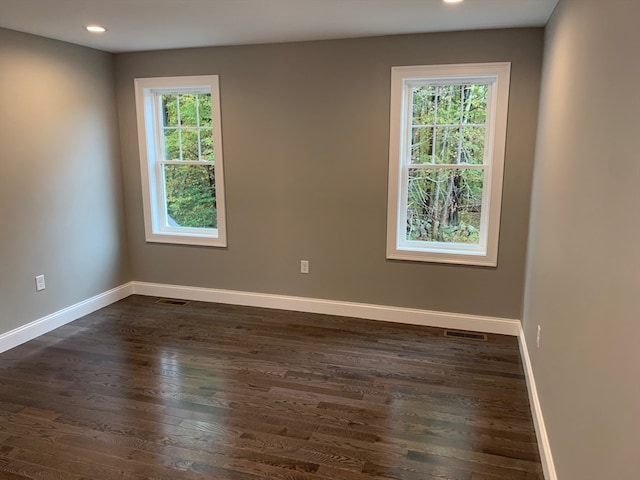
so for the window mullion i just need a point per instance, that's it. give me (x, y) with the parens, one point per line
(179, 126)
(460, 126)
(435, 122)
(447, 166)
(185, 162)
(198, 127)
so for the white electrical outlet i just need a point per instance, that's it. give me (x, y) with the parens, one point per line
(40, 285)
(538, 336)
(304, 266)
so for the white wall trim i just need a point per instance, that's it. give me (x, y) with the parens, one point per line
(332, 307)
(411, 316)
(546, 457)
(44, 325)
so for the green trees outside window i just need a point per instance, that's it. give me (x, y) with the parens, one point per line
(189, 180)
(445, 183)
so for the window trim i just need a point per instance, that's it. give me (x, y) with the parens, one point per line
(149, 143)
(486, 252)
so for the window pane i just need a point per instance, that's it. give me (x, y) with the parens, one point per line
(475, 104)
(444, 205)
(190, 144)
(169, 110)
(188, 115)
(206, 144)
(204, 109)
(472, 145)
(422, 145)
(447, 145)
(449, 105)
(190, 196)
(171, 144)
(424, 99)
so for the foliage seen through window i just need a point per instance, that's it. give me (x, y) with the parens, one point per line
(189, 181)
(445, 174)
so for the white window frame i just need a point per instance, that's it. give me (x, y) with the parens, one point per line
(497, 76)
(157, 228)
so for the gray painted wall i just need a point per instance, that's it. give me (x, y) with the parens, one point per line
(305, 129)
(60, 177)
(584, 261)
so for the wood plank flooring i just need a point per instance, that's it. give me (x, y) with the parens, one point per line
(141, 390)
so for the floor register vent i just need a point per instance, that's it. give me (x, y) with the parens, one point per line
(466, 335)
(172, 301)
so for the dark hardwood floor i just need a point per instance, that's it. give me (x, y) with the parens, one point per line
(141, 390)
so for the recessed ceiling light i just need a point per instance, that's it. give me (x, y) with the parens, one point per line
(453, 1)
(95, 29)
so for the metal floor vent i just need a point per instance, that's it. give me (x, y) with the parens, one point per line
(172, 301)
(466, 335)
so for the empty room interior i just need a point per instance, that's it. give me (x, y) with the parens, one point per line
(421, 260)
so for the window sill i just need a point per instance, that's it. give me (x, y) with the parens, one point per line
(186, 239)
(480, 258)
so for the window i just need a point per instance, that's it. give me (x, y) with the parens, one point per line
(181, 159)
(447, 144)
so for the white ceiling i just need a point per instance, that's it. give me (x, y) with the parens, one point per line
(158, 24)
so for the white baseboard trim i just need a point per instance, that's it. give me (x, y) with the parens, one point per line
(412, 316)
(536, 411)
(44, 325)
(332, 307)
